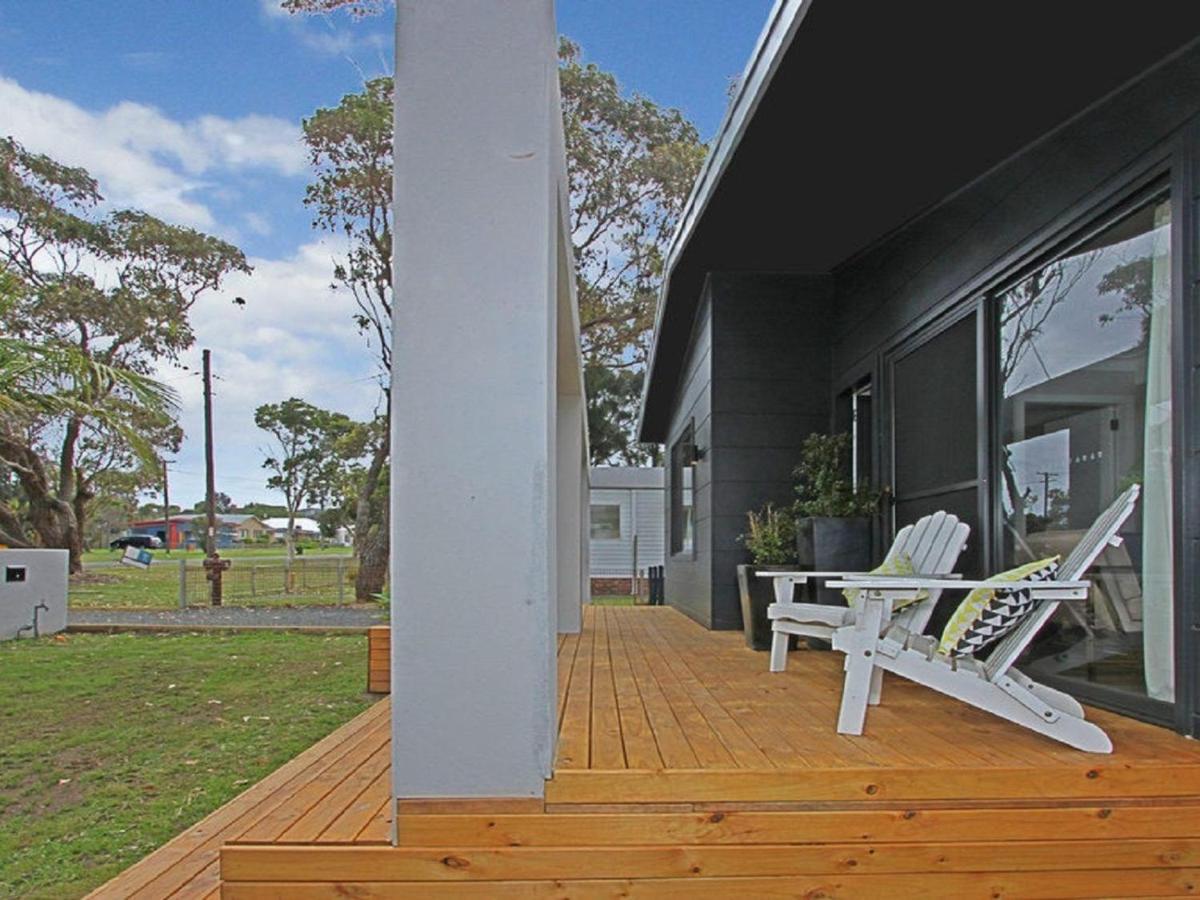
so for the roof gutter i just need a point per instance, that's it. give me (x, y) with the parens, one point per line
(773, 43)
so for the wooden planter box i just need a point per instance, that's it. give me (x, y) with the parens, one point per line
(379, 659)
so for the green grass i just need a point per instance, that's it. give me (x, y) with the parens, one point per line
(112, 744)
(615, 601)
(126, 587)
(106, 555)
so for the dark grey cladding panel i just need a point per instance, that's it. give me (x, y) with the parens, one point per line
(782, 396)
(737, 497)
(781, 360)
(930, 263)
(733, 464)
(764, 431)
(689, 576)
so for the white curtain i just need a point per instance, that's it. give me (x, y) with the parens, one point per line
(1158, 610)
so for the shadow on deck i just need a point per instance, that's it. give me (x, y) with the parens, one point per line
(686, 769)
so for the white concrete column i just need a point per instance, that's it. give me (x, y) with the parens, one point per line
(571, 511)
(478, 171)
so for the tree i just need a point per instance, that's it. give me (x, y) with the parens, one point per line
(105, 298)
(304, 462)
(222, 503)
(262, 510)
(613, 396)
(113, 507)
(350, 147)
(631, 166)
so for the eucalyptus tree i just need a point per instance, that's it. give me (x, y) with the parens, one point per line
(304, 462)
(103, 298)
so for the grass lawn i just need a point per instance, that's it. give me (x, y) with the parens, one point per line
(112, 744)
(106, 555)
(247, 583)
(615, 601)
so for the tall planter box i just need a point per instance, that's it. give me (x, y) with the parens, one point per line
(826, 544)
(756, 595)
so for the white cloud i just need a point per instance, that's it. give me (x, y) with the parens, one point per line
(145, 159)
(293, 338)
(273, 10)
(320, 33)
(256, 223)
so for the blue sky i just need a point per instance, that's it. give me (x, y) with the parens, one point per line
(191, 110)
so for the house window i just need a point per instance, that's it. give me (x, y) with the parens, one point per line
(683, 467)
(1083, 354)
(606, 522)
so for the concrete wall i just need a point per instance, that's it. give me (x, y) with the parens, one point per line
(45, 581)
(488, 452)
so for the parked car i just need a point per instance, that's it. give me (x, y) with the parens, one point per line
(145, 541)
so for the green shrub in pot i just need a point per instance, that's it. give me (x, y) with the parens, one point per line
(771, 540)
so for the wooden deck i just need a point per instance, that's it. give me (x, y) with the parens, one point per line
(686, 769)
(337, 791)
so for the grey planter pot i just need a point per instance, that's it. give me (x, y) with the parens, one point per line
(826, 544)
(756, 595)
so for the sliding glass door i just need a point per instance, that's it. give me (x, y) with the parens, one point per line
(1083, 364)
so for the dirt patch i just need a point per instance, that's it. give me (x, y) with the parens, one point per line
(86, 578)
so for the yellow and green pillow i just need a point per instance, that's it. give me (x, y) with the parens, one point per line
(900, 565)
(987, 613)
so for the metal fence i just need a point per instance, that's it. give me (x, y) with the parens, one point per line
(330, 579)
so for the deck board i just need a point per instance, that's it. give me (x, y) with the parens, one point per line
(677, 738)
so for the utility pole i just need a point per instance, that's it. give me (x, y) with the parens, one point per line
(213, 563)
(166, 510)
(1046, 477)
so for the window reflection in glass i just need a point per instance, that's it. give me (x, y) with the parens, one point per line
(1085, 367)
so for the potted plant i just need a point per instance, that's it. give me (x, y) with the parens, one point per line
(833, 517)
(771, 540)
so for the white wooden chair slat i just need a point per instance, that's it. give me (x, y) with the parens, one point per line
(1078, 561)
(932, 544)
(995, 685)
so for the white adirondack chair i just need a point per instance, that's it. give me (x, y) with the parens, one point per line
(992, 685)
(932, 544)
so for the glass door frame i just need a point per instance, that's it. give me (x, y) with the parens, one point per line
(972, 306)
(1159, 178)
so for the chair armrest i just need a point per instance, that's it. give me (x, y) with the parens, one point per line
(804, 575)
(900, 583)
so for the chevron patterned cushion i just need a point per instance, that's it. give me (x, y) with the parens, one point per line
(987, 614)
(900, 564)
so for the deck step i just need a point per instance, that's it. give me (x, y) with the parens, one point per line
(1091, 822)
(951, 886)
(1091, 779)
(280, 863)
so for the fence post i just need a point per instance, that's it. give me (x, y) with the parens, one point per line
(183, 584)
(253, 574)
(341, 580)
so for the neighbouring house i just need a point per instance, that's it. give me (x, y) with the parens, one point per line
(247, 528)
(626, 520)
(303, 528)
(186, 530)
(979, 255)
